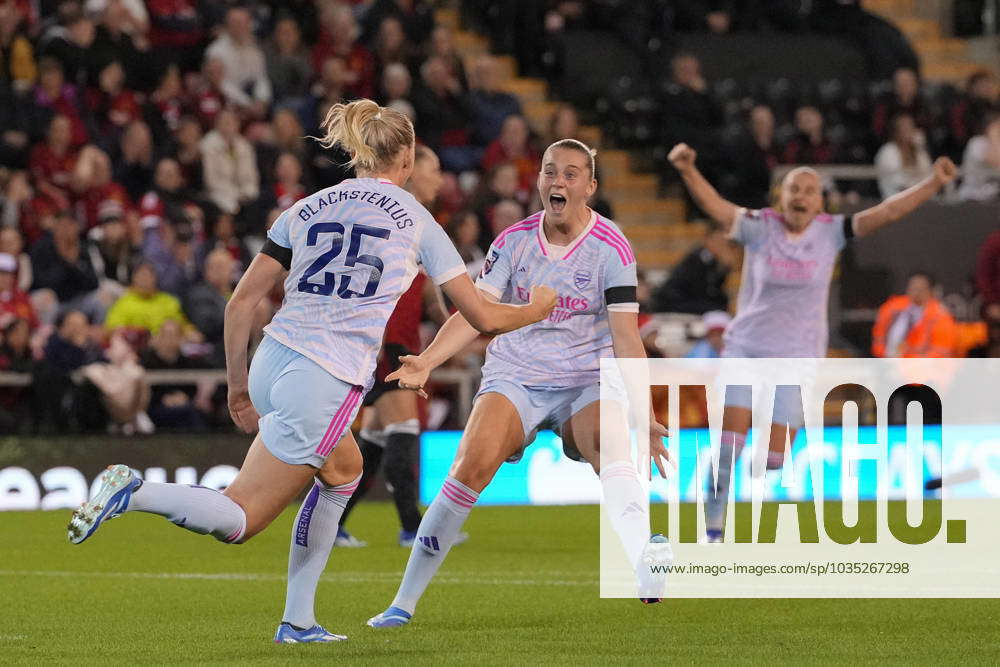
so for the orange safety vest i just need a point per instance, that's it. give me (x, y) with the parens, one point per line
(932, 336)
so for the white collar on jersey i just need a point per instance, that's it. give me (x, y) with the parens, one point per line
(560, 251)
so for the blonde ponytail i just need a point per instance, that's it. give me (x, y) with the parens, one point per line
(373, 135)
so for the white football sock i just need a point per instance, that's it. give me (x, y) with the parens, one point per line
(437, 532)
(313, 535)
(627, 506)
(196, 508)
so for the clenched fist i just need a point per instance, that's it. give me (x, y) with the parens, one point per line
(543, 299)
(682, 157)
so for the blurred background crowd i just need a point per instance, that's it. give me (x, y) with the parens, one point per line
(146, 145)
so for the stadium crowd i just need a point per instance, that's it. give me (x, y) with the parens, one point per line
(147, 146)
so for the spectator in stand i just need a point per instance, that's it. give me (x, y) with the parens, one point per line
(904, 161)
(914, 324)
(690, 112)
(93, 187)
(289, 137)
(187, 152)
(498, 184)
(988, 276)
(397, 85)
(969, 114)
(564, 123)
(696, 285)
(904, 98)
(51, 164)
(490, 105)
(12, 243)
(168, 198)
(15, 118)
(442, 45)
(710, 347)
(210, 98)
(173, 406)
(19, 66)
(111, 106)
(288, 187)
(115, 40)
(391, 45)
(514, 146)
(60, 405)
(124, 392)
(132, 17)
(338, 38)
(464, 231)
(60, 265)
(758, 154)
(53, 96)
(176, 32)
(14, 304)
(246, 85)
(809, 145)
(205, 303)
(230, 165)
(134, 166)
(15, 351)
(19, 208)
(444, 116)
(165, 106)
(110, 249)
(506, 213)
(223, 237)
(416, 18)
(69, 44)
(145, 308)
(331, 88)
(287, 60)
(981, 163)
(172, 251)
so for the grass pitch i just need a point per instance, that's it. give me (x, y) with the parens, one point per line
(522, 591)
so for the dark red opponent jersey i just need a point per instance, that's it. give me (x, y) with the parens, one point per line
(403, 327)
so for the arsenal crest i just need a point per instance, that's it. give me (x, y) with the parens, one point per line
(581, 279)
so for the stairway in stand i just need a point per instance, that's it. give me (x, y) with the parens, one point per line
(943, 59)
(655, 225)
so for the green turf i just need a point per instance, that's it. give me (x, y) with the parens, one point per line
(523, 590)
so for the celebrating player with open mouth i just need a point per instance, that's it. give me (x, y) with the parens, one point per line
(789, 260)
(350, 251)
(546, 374)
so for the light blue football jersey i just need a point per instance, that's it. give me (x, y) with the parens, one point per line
(355, 249)
(564, 350)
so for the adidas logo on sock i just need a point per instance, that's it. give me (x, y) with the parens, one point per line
(430, 543)
(632, 508)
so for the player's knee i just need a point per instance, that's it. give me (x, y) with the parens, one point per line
(475, 474)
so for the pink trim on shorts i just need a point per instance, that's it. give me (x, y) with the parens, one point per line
(340, 421)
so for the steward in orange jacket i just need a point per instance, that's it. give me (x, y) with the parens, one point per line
(906, 327)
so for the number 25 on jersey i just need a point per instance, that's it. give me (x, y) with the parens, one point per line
(337, 235)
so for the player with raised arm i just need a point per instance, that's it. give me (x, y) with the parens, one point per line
(546, 374)
(789, 258)
(350, 251)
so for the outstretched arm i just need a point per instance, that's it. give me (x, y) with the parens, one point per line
(494, 318)
(905, 202)
(708, 199)
(455, 335)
